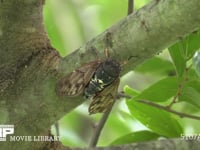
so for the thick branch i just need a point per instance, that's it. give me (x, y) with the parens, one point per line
(185, 143)
(142, 34)
(167, 144)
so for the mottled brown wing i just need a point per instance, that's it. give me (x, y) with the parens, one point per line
(74, 83)
(104, 99)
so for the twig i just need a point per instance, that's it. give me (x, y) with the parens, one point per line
(121, 94)
(180, 114)
(99, 127)
(180, 87)
(130, 6)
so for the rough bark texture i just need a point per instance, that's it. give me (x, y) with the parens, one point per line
(30, 67)
(165, 144)
(168, 144)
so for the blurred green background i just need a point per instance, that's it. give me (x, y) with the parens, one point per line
(70, 23)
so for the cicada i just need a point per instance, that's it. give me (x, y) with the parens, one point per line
(97, 80)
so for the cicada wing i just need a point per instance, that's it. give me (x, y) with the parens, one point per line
(104, 99)
(74, 83)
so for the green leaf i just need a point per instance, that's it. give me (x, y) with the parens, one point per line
(190, 44)
(139, 136)
(191, 93)
(159, 121)
(160, 91)
(182, 51)
(157, 66)
(178, 59)
(130, 91)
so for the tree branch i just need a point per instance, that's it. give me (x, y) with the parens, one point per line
(140, 35)
(184, 143)
(130, 6)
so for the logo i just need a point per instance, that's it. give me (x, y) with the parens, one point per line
(5, 130)
(9, 129)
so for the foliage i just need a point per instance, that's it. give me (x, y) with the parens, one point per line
(169, 79)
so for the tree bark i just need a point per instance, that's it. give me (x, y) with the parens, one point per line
(165, 144)
(30, 67)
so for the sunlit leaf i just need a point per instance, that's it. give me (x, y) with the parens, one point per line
(191, 93)
(160, 91)
(159, 121)
(182, 51)
(178, 59)
(130, 91)
(157, 66)
(138, 136)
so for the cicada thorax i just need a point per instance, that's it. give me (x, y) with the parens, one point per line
(106, 73)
